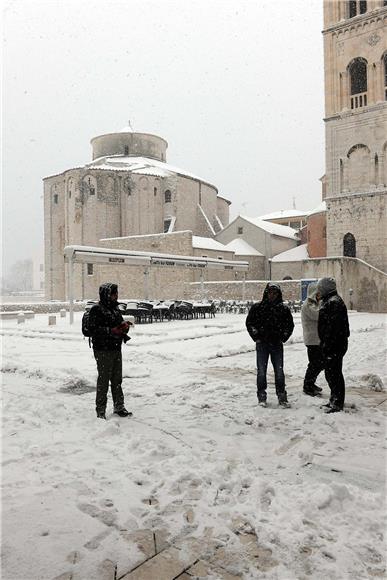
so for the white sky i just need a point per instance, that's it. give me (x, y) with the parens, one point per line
(235, 87)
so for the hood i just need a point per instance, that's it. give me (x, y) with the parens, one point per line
(312, 291)
(326, 286)
(265, 297)
(105, 291)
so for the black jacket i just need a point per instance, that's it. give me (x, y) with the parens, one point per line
(333, 326)
(270, 322)
(102, 318)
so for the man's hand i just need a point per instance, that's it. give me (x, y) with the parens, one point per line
(117, 331)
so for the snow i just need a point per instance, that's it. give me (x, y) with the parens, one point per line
(208, 244)
(242, 248)
(319, 209)
(275, 229)
(293, 255)
(310, 485)
(283, 213)
(139, 165)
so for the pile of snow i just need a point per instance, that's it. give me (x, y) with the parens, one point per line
(322, 207)
(207, 244)
(284, 213)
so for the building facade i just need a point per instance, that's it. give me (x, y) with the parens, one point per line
(128, 189)
(355, 182)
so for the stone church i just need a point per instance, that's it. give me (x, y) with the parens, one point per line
(128, 189)
(355, 55)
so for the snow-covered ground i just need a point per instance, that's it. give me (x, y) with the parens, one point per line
(311, 486)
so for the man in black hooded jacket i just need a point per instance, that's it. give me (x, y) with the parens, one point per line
(108, 330)
(270, 324)
(333, 331)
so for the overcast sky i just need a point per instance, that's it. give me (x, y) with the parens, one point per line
(235, 87)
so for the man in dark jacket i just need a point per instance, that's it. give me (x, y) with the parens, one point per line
(270, 324)
(108, 330)
(333, 331)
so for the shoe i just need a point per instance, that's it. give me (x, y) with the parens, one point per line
(123, 412)
(312, 391)
(101, 415)
(284, 404)
(326, 406)
(262, 404)
(333, 409)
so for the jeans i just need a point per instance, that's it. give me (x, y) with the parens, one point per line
(315, 366)
(276, 353)
(109, 366)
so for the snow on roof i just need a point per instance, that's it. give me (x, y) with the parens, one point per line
(275, 229)
(293, 255)
(208, 244)
(242, 248)
(319, 209)
(283, 213)
(127, 129)
(139, 165)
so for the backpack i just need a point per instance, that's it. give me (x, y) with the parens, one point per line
(85, 324)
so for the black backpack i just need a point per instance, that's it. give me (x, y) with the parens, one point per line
(85, 323)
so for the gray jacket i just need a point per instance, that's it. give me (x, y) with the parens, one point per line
(309, 317)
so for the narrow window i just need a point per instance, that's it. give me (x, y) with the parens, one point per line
(55, 198)
(155, 191)
(358, 72)
(91, 187)
(90, 269)
(324, 231)
(349, 245)
(385, 72)
(352, 8)
(220, 258)
(240, 231)
(376, 169)
(204, 256)
(126, 150)
(167, 223)
(167, 196)
(363, 6)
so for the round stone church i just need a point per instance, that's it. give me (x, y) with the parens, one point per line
(127, 189)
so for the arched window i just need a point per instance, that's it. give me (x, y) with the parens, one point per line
(349, 245)
(358, 82)
(287, 278)
(167, 196)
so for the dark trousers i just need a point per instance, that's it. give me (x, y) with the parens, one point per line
(333, 365)
(109, 366)
(315, 366)
(276, 353)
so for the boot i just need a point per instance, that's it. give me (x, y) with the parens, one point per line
(123, 412)
(312, 391)
(101, 415)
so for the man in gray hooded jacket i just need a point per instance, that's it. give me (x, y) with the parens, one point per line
(333, 330)
(309, 318)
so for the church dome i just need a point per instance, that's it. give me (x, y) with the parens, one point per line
(129, 143)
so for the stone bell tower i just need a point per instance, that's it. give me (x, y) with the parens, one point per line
(355, 57)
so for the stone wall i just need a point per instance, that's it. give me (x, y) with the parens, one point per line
(365, 217)
(369, 285)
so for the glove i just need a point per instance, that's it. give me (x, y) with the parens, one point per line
(117, 331)
(124, 326)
